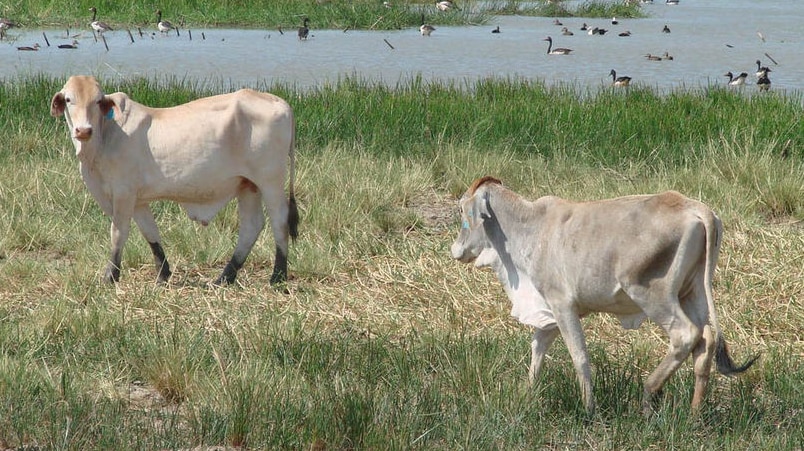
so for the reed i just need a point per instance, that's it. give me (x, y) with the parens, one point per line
(384, 341)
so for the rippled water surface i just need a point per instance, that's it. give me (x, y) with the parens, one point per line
(707, 39)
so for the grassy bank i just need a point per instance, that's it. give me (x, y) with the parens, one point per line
(334, 14)
(384, 342)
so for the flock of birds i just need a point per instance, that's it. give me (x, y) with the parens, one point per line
(763, 80)
(164, 27)
(97, 26)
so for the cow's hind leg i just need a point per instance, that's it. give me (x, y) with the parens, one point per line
(683, 334)
(252, 221)
(284, 222)
(144, 219)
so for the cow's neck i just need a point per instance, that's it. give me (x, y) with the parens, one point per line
(515, 222)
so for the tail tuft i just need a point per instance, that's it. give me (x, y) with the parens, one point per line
(293, 217)
(725, 365)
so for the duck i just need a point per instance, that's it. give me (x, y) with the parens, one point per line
(97, 25)
(496, 30)
(761, 69)
(304, 31)
(73, 45)
(764, 82)
(557, 50)
(565, 31)
(671, 2)
(426, 29)
(619, 81)
(557, 22)
(597, 31)
(584, 27)
(736, 81)
(667, 56)
(445, 5)
(624, 34)
(665, 29)
(27, 48)
(614, 21)
(162, 25)
(653, 57)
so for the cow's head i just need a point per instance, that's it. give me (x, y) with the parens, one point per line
(84, 106)
(472, 243)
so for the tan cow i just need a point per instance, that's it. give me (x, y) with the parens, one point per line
(201, 154)
(635, 257)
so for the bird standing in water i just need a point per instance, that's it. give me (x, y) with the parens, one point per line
(621, 81)
(162, 25)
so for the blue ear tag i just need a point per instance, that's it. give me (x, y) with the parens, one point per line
(110, 114)
(465, 225)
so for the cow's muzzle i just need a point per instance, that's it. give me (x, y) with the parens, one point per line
(83, 133)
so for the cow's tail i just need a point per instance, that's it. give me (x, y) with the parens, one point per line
(714, 233)
(293, 210)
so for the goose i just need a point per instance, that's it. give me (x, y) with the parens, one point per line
(496, 30)
(98, 26)
(619, 81)
(736, 81)
(764, 82)
(74, 45)
(565, 31)
(163, 25)
(666, 29)
(304, 31)
(26, 48)
(761, 69)
(426, 28)
(557, 50)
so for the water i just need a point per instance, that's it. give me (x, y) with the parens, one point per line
(707, 39)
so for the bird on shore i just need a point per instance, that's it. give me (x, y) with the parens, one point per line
(97, 25)
(162, 25)
(764, 82)
(557, 50)
(5, 24)
(27, 48)
(621, 81)
(426, 29)
(445, 5)
(304, 31)
(738, 80)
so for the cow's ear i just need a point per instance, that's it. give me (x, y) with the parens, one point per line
(106, 104)
(57, 104)
(483, 207)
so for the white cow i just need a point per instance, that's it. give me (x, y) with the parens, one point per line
(634, 257)
(200, 154)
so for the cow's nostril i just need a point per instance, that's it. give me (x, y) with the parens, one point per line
(83, 133)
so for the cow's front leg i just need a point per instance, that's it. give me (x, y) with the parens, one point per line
(252, 221)
(542, 339)
(121, 226)
(144, 219)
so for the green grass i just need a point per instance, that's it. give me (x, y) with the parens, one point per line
(384, 341)
(334, 14)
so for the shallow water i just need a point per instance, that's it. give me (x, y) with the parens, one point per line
(707, 39)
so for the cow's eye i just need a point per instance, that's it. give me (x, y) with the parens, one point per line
(67, 100)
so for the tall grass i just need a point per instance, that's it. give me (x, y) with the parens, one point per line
(384, 341)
